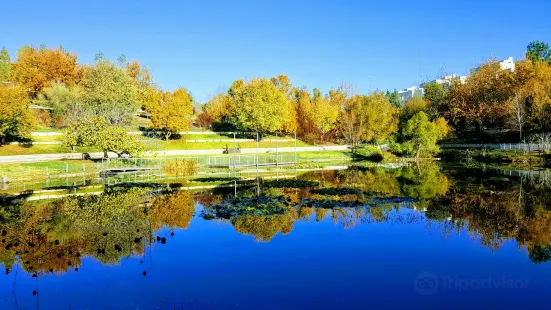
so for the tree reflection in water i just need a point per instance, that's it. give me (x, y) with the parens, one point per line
(53, 236)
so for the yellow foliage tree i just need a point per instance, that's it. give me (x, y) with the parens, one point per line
(172, 112)
(16, 120)
(380, 118)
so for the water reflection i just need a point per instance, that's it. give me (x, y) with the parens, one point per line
(52, 236)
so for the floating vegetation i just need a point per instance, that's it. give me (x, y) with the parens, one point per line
(209, 216)
(336, 191)
(262, 205)
(290, 183)
(216, 179)
(331, 203)
(394, 199)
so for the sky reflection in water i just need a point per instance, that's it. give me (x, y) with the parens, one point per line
(436, 238)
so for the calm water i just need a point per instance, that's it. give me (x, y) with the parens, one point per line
(363, 238)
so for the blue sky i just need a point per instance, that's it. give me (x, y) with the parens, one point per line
(205, 45)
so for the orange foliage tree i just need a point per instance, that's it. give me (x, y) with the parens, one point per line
(37, 68)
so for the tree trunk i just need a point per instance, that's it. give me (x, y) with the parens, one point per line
(418, 152)
(167, 135)
(105, 155)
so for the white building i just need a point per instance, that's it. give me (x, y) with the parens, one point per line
(410, 92)
(447, 80)
(507, 64)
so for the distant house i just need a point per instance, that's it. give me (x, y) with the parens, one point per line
(447, 80)
(410, 92)
(505, 64)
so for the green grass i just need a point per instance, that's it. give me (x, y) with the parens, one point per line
(153, 145)
(45, 129)
(41, 170)
(13, 149)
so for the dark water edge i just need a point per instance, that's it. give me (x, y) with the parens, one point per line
(422, 237)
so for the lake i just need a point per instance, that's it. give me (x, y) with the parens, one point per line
(420, 236)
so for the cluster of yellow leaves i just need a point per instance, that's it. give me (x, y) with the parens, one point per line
(15, 117)
(171, 112)
(37, 68)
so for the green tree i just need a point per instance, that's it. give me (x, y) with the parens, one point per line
(435, 94)
(538, 51)
(65, 101)
(395, 99)
(258, 106)
(110, 92)
(172, 112)
(5, 65)
(422, 135)
(16, 120)
(96, 131)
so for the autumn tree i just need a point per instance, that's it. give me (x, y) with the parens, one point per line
(258, 106)
(145, 88)
(481, 102)
(283, 84)
(349, 120)
(533, 80)
(217, 109)
(172, 112)
(380, 118)
(37, 68)
(16, 120)
(518, 111)
(110, 92)
(413, 106)
(316, 115)
(5, 66)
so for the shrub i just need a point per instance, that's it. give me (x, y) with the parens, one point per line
(180, 167)
(370, 152)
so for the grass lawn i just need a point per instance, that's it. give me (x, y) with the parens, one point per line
(40, 170)
(151, 144)
(14, 149)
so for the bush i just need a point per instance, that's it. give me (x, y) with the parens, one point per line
(180, 167)
(370, 152)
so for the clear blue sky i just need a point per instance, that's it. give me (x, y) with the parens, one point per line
(205, 45)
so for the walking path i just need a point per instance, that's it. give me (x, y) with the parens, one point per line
(99, 155)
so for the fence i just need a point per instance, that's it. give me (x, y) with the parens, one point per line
(528, 147)
(230, 161)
